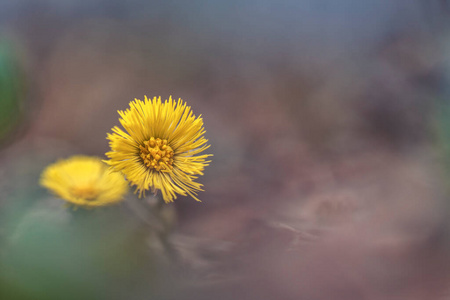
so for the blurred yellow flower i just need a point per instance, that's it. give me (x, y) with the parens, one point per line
(159, 147)
(84, 181)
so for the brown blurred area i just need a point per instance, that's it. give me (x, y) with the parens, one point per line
(326, 181)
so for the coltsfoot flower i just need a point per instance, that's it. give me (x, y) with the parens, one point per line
(84, 181)
(159, 149)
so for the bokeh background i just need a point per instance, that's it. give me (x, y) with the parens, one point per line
(329, 121)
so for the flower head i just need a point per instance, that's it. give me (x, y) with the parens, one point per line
(160, 147)
(84, 181)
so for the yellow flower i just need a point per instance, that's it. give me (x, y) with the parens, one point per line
(159, 147)
(84, 181)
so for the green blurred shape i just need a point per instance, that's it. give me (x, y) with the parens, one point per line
(442, 132)
(12, 89)
(54, 253)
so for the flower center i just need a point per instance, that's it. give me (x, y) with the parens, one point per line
(156, 154)
(85, 192)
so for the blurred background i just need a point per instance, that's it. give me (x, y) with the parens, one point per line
(329, 122)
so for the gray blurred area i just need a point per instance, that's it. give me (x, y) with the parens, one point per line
(329, 121)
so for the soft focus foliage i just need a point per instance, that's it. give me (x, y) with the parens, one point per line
(52, 253)
(11, 88)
